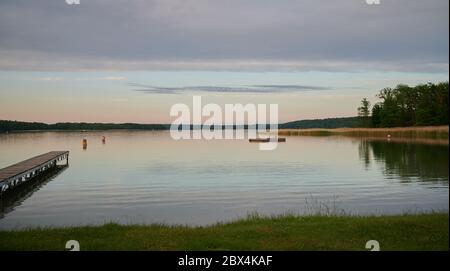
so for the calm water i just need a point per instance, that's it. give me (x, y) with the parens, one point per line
(145, 177)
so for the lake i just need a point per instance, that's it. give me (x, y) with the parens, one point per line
(147, 177)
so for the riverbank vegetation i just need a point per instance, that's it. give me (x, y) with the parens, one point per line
(287, 232)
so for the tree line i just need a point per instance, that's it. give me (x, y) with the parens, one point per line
(8, 125)
(421, 105)
(329, 123)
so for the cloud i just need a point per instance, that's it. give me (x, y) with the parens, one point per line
(50, 79)
(106, 78)
(113, 78)
(300, 35)
(224, 89)
(39, 63)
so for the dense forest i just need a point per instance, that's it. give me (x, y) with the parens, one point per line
(422, 105)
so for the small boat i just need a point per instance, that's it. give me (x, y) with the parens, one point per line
(265, 140)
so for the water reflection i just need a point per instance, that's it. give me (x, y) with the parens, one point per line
(9, 201)
(407, 160)
(147, 177)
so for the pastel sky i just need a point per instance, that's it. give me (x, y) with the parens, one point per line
(130, 61)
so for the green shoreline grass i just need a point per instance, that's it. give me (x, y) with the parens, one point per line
(288, 232)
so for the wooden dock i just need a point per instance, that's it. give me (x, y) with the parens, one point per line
(26, 170)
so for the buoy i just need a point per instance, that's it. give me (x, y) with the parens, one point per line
(84, 143)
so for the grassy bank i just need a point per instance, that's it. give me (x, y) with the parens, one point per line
(406, 232)
(429, 132)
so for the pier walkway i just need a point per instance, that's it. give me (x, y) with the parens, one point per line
(26, 170)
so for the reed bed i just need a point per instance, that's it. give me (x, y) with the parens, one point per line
(432, 132)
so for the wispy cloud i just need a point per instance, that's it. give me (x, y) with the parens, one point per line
(50, 79)
(113, 78)
(38, 62)
(106, 78)
(225, 89)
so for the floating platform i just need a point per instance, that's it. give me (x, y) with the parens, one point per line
(26, 170)
(265, 140)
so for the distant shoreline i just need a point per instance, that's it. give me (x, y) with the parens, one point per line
(12, 125)
(434, 133)
(413, 132)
